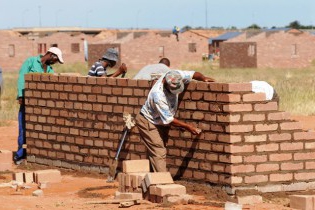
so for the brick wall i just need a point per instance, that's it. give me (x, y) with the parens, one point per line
(235, 55)
(247, 143)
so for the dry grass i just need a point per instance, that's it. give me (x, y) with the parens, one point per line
(294, 86)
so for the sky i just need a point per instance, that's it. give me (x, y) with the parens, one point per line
(154, 14)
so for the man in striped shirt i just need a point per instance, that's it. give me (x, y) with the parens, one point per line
(109, 59)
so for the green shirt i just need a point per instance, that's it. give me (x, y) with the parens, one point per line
(30, 65)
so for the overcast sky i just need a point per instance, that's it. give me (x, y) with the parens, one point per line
(155, 14)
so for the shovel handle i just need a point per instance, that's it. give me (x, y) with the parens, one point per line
(122, 139)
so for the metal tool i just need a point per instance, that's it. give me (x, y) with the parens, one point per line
(113, 166)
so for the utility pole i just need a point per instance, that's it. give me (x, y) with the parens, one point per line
(206, 3)
(40, 16)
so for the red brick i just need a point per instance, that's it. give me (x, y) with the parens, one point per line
(158, 178)
(291, 146)
(228, 97)
(237, 87)
(280, 137)
(198, 115)
(304, 156)
(195, 96)
(19, 177)
(169, 189)
(254, 97)
(240, 149)
(254, 117)
(291, 166)
(256, 138)
(270, 106)
(50, 175)
(242, 168)
(237, 108)
(239, 128)
(267, 147)
(255, 159)
(290, 126)
(216, 86)
(135, 166)
(203, 86)
(303, 175)
(267, 167)
(279, 116)
(310, 135)
(266, 127)
(280, 157)
(305, 202)
(210, 96)
(229, 138)
(281, 177)
(229, 118)
(255, 179)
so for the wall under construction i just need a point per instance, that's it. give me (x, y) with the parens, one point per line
(247, 143)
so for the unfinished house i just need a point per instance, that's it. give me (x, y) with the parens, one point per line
(285, 48)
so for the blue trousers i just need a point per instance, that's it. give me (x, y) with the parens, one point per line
(21, 153)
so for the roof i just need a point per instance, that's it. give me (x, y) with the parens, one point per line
(225, 36)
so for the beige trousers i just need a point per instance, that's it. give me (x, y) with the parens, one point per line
(155, 138)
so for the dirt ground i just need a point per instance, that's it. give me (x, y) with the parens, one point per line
(78, 190)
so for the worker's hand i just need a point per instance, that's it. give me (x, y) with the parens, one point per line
(21, 101)
(123, 68)
(208, 79)
(194, 130)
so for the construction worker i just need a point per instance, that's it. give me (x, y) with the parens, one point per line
(35, 64)
(109, 59)
(176, 31)
(150, 71)
(157, 114)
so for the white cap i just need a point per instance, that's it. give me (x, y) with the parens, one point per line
(56, 51)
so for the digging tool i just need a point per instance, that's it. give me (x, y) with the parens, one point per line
(113, 167)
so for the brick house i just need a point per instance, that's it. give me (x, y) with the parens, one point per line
(138, 49)
(14, 48)
(287, 48)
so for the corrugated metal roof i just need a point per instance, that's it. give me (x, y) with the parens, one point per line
(225, 36)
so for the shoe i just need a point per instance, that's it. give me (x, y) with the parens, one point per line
(18, 161)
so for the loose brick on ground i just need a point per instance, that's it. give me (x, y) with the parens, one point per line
(50, 175)
(134, 166)
(305, 202)
(158, 178)
(168, 189)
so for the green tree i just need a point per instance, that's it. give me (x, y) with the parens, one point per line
(295, 24)
(253, 26)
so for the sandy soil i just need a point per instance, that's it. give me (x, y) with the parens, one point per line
(77, 189)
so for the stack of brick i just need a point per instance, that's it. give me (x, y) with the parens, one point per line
(137, 182)
(5, 160)
(39, 177)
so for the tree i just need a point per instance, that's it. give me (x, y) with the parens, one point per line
(295, 24)
(253, 26)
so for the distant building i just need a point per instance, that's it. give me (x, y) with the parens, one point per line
(276, 48)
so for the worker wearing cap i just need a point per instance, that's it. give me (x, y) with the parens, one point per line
(157, 114)
(109, 59)
(35, 64)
